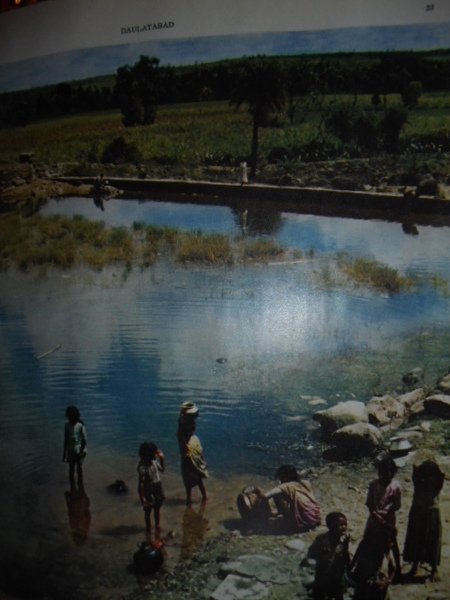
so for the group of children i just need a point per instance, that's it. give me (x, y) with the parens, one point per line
(376, 562)
(151, 460)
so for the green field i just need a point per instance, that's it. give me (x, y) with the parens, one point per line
(200, 134)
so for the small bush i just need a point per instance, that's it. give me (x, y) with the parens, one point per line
(119, 152)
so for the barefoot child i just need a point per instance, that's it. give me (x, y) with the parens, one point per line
(331, 553)
(75, 440)
(383, 501)
(423, 536)
(193, 464)
(150, 490)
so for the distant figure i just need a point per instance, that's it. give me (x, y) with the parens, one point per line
(150, 490)
(383, 501)
(373, 567)
(193, 465)
(423, 536)
(75, 442)
(294, 500)
(331, 553)
(243, 173)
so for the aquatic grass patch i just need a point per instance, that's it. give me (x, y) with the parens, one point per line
(61, 241)
(371, 273)
(196, 247)
(260, 250)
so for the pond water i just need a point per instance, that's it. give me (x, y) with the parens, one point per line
(129, 347)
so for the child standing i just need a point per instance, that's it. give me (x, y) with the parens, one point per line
(383, 501)
(150, 490)
(75, 441)
(423, 536)
(193, 464)
(331, 553)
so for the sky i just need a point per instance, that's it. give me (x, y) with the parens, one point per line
(63, 40)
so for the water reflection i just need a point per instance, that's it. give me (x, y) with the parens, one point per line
(78, 510)
(410, 228)
(259, 220)
(195, 526)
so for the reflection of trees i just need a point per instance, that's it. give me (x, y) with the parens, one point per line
(260, 221)
(410, 228)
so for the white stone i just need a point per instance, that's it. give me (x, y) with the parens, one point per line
(234, 587)
(296, 544)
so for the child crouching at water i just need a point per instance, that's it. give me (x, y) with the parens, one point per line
(150, 490)
(331, 553)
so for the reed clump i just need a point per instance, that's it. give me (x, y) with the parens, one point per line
(261, 250)
(61, 241)
(197, 247)
(375, 275)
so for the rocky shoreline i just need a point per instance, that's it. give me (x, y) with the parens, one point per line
(30, 185)
(243, 564)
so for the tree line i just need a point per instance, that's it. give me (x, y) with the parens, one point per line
(152, 84)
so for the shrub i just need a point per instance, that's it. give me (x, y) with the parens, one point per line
(119, 152)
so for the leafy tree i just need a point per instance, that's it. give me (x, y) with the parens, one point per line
(136, 91)
(392, 124)
(411, 94)
(259, 85)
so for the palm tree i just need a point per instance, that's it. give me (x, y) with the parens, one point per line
(260, 85)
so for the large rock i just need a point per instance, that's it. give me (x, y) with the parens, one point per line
(385, 410)
(234, 587)
(340, 415)
(444, 385)
(410, 398)
(359, 439)
(439, 405)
